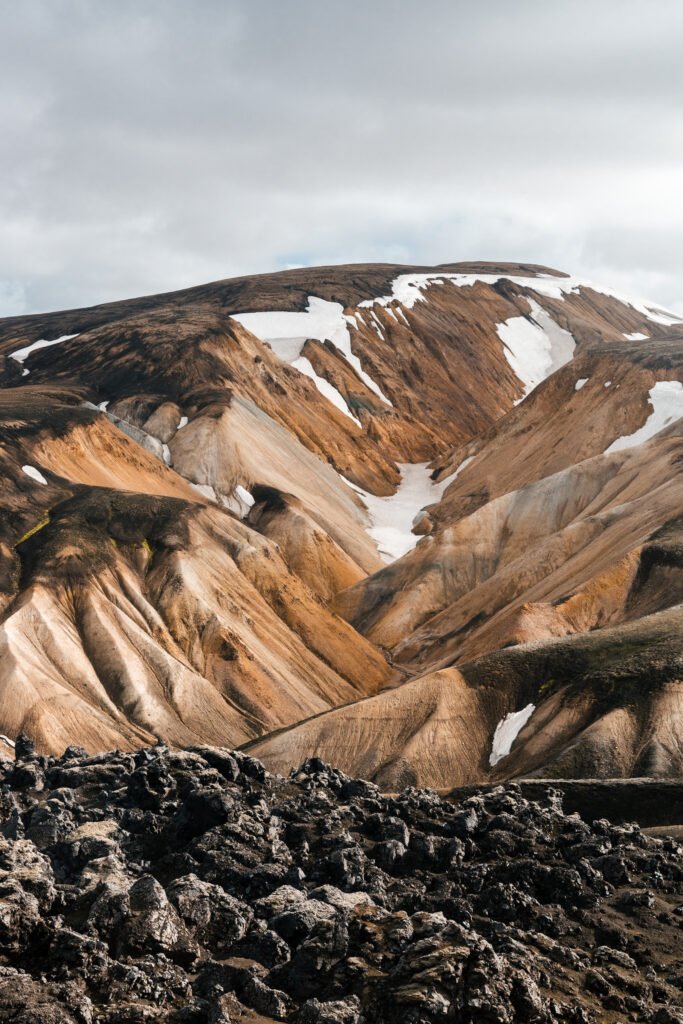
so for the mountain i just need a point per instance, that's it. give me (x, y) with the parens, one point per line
(423, 522)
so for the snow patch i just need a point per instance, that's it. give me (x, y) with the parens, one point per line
(103, 405)
(326, 389)
(244, 495)
(21, 354)
(7, 740)
(376, 324)
(637, 336)
(666, 399)
(408, 289)
(535, 346)
(182, 423)
(240, 501)
(392, 518)
(507, 731)
(580, 383)
(288, 332)
(35, 474)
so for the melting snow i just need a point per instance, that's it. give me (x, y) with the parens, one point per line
(580, 383)
(182, 423)
(35, 474)
(535, 346)
(636, 337)
(376, 324)
(507, 731)
(325, 388)
(239, 502)
(666, 399)
(287, 333)
(392, 517)
(21, 354)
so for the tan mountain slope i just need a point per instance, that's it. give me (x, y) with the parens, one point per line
(594, 545)
(433, 731)
(607, 704)
(308, 550)
(491, 527)
(578, 412)
(139, 617)
(534, 545)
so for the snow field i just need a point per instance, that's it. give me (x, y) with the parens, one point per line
(391, 518)
(287, 333)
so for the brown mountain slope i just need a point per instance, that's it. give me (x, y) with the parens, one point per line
(558, 425)
(574, 550)
(233, 414)
(429, 732)
(168, 558)
(608, 700)
(289, 289)
(308, 550)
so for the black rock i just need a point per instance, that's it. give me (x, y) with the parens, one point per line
(191, 887)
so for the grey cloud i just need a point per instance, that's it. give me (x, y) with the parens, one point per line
(152, 145)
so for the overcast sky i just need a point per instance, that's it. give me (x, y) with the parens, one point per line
(151, 145)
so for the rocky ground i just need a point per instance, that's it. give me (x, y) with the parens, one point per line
(194, 887)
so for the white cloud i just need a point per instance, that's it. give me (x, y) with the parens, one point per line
(151, 146)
